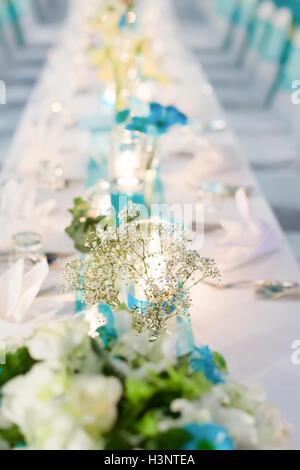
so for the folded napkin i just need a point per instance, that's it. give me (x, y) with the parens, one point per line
(40, 142)
(20, 311)
(20, 213)
(246, 240)
(207, 163)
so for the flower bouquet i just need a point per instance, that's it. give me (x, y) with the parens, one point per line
(62, 390)
(124, 57)
(153, 259)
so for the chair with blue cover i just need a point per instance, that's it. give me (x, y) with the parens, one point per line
(271, 137)
(229, 58)
(23, 41)
(251, 86)
(15, 41)
(214, 38)
(35, 34)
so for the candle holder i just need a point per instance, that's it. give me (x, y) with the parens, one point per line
(50, 175)
(99, 200)
(127, 162)
(27, 245)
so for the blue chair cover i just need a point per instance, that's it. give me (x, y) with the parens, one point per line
(10, 17)
(291, 69)
(273, 48)
(243, 12)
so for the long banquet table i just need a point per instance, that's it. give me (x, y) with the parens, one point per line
(254, 335)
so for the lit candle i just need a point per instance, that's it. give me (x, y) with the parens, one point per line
(127, 166)
(99, 199)
(156, 266)
(101, 205)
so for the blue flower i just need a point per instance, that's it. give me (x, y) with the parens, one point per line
(122, 116)
(122, 21)
(157, 122)
(202, 360)
(156, 112)
(138, 124)
(207, 437)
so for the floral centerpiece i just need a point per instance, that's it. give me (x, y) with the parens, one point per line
(154, 259)
(124, 57)
(154, 120)
(63, 390)
(84, 223)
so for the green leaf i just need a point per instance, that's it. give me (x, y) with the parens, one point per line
(118, 442)
(18, 363)
(138, 391)
(148, 425)
(174, 439)
(83, 227)
(220, 361)
(12, 436)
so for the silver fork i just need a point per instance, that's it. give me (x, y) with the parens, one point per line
(267, 289)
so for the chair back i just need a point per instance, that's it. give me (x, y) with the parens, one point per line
(286, 92)
(11, 27)
(259, 25)
(277, 36)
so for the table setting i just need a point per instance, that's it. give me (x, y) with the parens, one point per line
(149, 297)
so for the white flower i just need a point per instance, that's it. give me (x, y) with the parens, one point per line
(251, 422)
(56, 411)
(94, 319)
(26, 398)
(64, 343)
(92, 401)
(273, 432)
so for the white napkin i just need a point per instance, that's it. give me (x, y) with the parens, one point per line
(40, 142)
(207, 163)
(20, 311)
(19, 211)
(246, 240)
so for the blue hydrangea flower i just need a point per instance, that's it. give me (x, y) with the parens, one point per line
(122, 116)
(138, 124)
(202, 360)
(157, 122)
(175, 117)
(122, 21)
(208, 437)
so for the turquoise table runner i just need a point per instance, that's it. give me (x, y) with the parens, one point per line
(97, 169)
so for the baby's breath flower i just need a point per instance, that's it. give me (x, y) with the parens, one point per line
(155, 256)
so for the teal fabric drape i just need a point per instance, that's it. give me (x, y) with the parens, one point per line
(10, 14)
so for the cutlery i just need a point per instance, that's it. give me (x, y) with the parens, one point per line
(51, 257)
(214, 126)
(207, 227)
(222, 189)
(267, 289)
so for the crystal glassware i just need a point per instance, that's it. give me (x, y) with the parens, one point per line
(99, 199)
(27, 245)
(127, 161)
(50, 175)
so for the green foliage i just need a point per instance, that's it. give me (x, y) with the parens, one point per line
(18, 363)
(171, 440)
(82, 227)
(146, 401)
(220, 362)
(12, 436)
